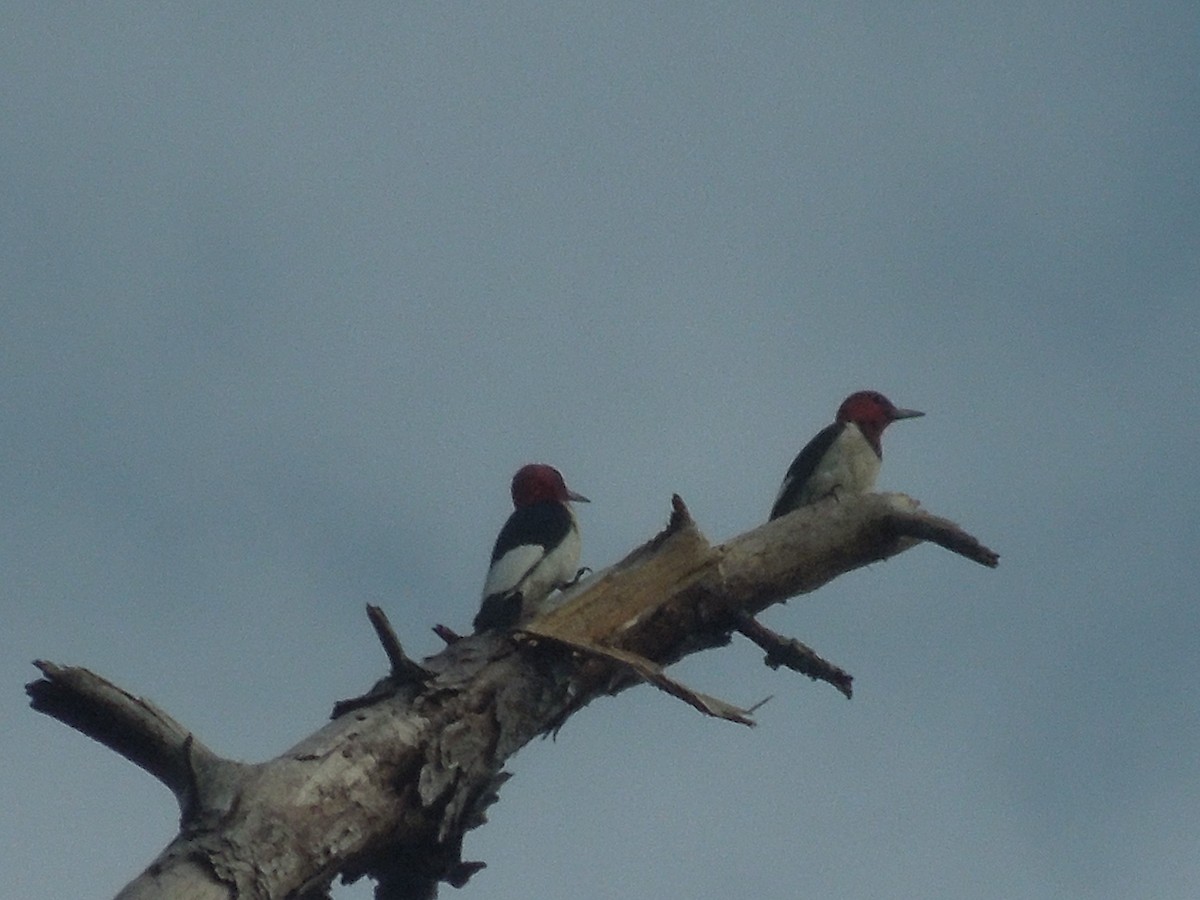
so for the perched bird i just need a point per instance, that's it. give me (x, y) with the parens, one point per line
(537, 549)
(844, 456)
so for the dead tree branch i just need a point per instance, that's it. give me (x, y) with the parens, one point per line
(133, 727)
(389, 787)
(797, 656)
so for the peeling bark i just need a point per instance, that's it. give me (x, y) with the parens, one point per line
(389, 787)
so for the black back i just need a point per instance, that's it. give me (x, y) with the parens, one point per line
(802, 468)
(543, 523)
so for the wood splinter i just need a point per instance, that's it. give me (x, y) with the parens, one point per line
(652, 673)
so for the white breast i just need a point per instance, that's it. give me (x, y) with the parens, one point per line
(850, 465)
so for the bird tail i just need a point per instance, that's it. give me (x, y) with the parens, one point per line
(498, 611)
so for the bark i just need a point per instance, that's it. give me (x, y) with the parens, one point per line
(389, 787)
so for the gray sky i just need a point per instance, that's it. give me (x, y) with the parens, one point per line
(290, 291)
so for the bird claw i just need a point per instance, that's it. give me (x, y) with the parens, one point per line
(583, 570)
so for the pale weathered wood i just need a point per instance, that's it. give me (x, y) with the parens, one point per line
(389, 787)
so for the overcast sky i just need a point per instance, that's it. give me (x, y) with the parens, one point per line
(288, 292)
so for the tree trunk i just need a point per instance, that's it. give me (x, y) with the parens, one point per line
(389, 787)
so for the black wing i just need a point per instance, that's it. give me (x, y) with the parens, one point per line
(801, 470)
(543, 523)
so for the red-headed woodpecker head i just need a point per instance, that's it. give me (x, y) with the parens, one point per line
(872, 412)
(844, 456)
(539, 483)
(536, 552)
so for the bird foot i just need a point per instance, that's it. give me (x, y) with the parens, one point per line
(583, 570)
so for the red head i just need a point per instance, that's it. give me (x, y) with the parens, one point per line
(872, 412)
(538, 483)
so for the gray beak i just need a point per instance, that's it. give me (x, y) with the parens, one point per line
(906, 414)
(578, 498)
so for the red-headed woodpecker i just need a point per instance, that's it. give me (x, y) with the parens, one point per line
(537, 549)
(844, 456)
